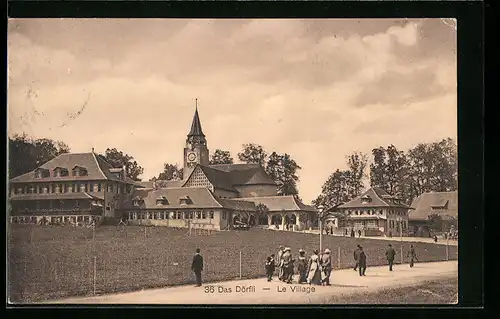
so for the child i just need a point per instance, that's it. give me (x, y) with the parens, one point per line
(269, 268)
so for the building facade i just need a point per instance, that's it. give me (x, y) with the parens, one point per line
(443, 204)
(73, 187)
(376, 212)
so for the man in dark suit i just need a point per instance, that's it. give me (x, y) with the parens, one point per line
(390, 253)
(197, 266)
(361, 261)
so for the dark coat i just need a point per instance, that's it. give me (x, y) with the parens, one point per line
(390, 253)
(362, 258)
(197, 264)
(356, 254)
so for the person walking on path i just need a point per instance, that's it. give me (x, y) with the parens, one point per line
(279, 262)
(356, 257)
(314, 270)
(390, 253)
(287, 264)
(361, 261)
(359, 233)
(197, 266)
(326, 267)
(412, 255)
(302, 266)
(352, 233)
(269, 268)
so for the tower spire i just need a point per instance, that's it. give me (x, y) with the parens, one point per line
(196, 125)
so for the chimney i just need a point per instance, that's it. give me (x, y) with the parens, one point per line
(124, 168)
(92, 150)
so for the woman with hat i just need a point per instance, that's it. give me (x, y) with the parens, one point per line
(302, 266)
(326, 267)
(287, 262)
(314, 269)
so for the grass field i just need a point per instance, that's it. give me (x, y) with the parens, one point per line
(55, 262)
(442, 291)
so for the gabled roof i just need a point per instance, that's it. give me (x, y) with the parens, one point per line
(245, 174)
(280, 203)
(236, 204)
(201, 197)
(97, 169)
(379, 198)
(441, 203)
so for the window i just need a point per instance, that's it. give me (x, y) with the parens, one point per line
(211, 215)
(91, 187)
(198, 215)
(99, 187)
(179, 215)
(204, 215)
(224, 215)
(79, 219)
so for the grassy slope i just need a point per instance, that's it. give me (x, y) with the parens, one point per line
(56, 262)
(432, 292)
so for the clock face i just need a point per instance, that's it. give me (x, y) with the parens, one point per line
(191, 156)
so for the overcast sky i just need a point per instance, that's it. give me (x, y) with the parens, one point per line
(316, 89)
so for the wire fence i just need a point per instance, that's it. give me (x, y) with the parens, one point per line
(51, 265)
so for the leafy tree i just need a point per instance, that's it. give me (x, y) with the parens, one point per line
(335, 190)
(356, 162)
(283, 170)
(436, 222)
(26, 154)
(221, 157)
(118, 159)
(253, 154)
(170, 172)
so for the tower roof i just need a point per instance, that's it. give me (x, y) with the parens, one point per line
(196, 125)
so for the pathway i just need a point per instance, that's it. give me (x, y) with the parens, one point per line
(259, 291)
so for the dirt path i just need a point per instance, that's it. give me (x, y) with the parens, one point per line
(259, 291)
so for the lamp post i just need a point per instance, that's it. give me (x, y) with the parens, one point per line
(400, 220)
(320, 226)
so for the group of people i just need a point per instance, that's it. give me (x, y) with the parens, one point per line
(390, 254)
(314, 270)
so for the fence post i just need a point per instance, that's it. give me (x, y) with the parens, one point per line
(168, 262)
(240, 264)
(447, 256)
(145, 235)
(95, 273)
(401, 252)
(338, 258)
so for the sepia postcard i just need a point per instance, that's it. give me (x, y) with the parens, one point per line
(232, 161)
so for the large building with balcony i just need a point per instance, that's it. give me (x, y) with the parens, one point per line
(81, 187)
(73, 187)
(376, 212)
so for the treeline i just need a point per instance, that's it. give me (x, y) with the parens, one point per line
(424, 168)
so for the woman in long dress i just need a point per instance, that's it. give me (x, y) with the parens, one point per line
(314, 270)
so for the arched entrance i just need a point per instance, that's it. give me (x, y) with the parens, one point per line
(276, 220)
(263, 219)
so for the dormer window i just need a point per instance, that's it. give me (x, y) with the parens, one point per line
(60, 172)
(79, 171)
(162, 200)
(185, 200)
(366, 199)
(137, 201)
(42, 172)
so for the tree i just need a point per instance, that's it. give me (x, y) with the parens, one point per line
(221, 157)
(335, 190)
(283, 170)
(252, 154)
(26, 154)
(356, 163)
(435, 222)
(389, 171)
(118, 159)
(170, 172)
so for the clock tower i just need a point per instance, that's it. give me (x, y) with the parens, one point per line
(196, 151)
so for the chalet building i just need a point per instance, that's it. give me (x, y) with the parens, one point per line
(443, 204)
(69, 188)
(376, 212)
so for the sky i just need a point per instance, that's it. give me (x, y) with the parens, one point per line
(315, 89)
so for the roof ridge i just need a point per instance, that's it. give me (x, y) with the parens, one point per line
(376, 195)
(213, 197)
(277, 196)
(99, 166)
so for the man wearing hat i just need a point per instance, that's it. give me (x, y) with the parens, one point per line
(279, 262)
(356, 257)
(302, 266)
(390, 253)
(287, 264)
(326, 267)
(361, 260)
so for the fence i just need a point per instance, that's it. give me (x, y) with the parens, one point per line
(47, 264)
